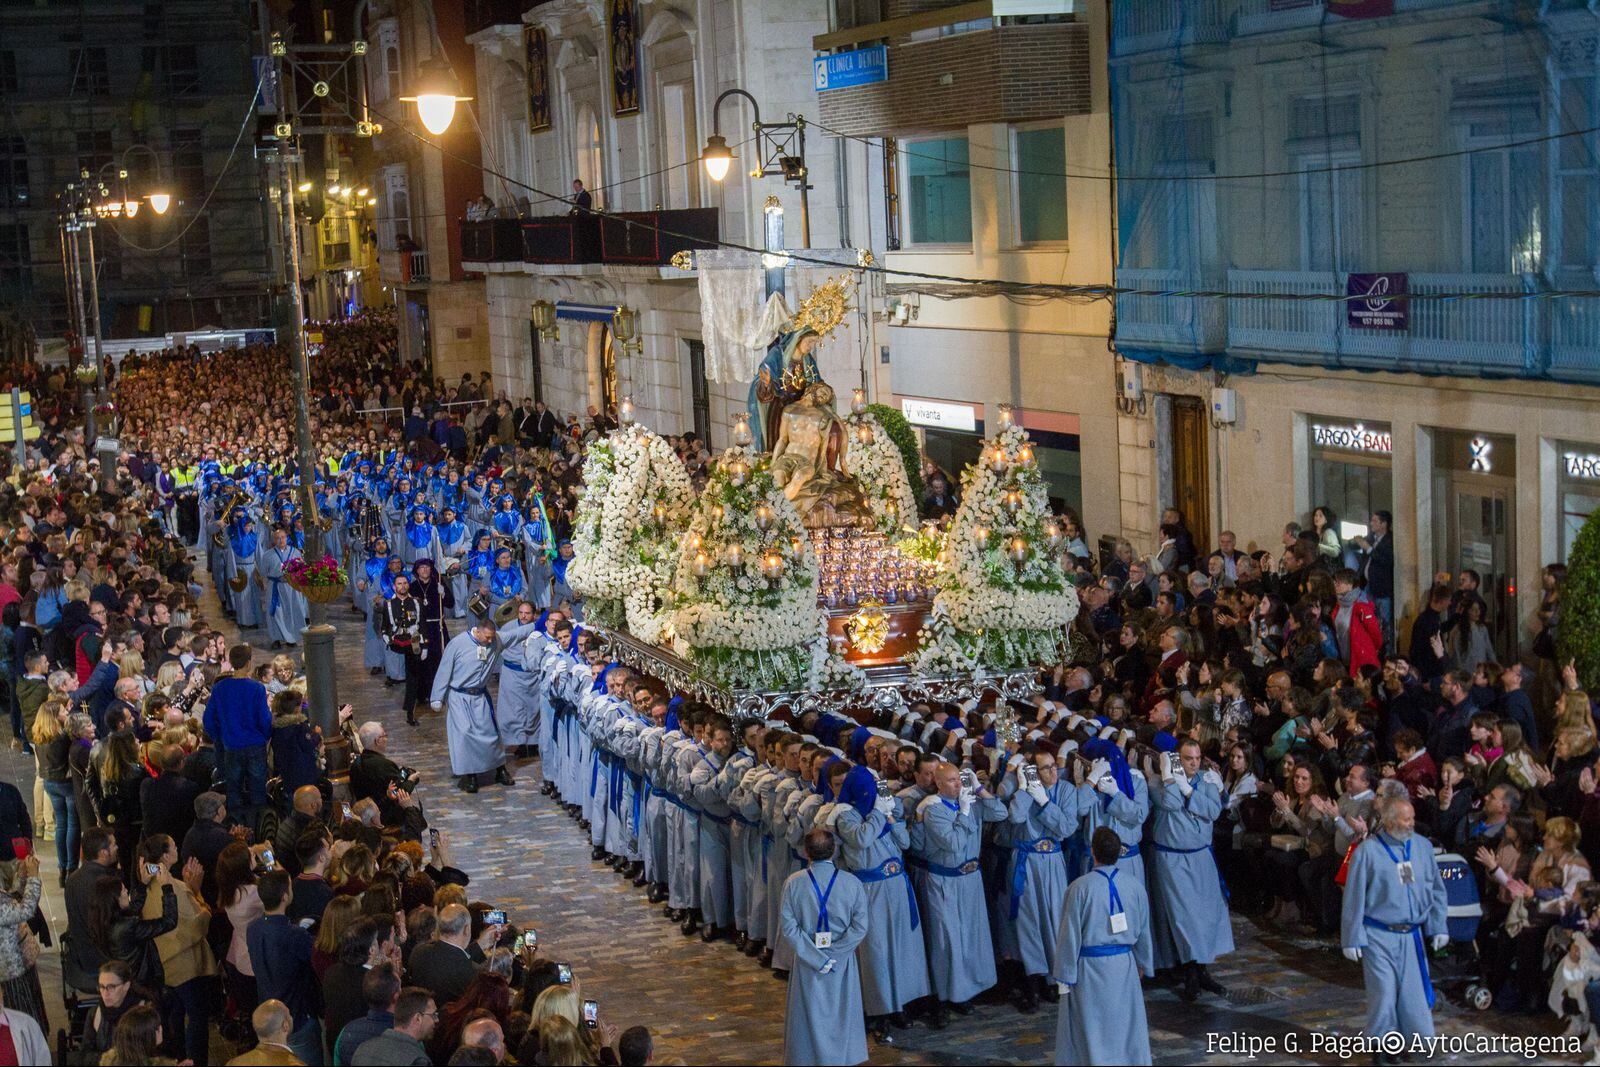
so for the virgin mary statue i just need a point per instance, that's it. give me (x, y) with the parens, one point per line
(786, 373)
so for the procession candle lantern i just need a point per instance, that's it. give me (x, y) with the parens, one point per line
(864, 434)
(1013, 499)
(741, 430)
(701, 565)
(695, 541)
(858, 400)
(772, 566)
(625, 410)
(716, 512)
(891, 509)
(1006, 417)
(1025, 454)
(1052, 533)
(763, 517)
(736, 557)
(660, 513)
(1019, 549)
(997, 459)
(737, 472)
(981, 535)
(797, 548)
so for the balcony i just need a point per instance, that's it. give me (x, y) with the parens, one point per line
(1501, 337)
(481, 14)
(961, 65)
(413, 266)
(1186, 323)
(637, 238)
(1147, 25)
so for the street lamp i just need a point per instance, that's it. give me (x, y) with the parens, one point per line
(781, 147)
(436, 96)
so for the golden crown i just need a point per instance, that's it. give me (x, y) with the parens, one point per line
(825, 308)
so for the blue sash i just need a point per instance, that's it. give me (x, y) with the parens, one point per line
(822, 898)
(894, 867)
(966, 868)
(1019, 873)
(1222, 883)
(1099, 951)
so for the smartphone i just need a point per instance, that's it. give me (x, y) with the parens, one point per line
(347, 812)
(530, 938)
(152, 869)
(433, 839)
(591, 1014)
(564, 973)
(266, 858)
(494, 918)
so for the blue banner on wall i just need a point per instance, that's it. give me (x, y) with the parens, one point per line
(843, 70)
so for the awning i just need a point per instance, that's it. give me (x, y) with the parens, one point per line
(585, 312)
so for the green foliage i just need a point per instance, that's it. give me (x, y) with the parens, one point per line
(905, 439)
(1578, 637)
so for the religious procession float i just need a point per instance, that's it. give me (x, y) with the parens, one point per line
(800, 578)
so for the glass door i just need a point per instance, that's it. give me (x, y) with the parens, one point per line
(1479, 519)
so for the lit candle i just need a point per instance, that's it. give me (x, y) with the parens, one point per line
(1005, 417)
(1052, 533)
(660, 512)
(797, 548)
(716, 512)
(701, 565)
(1025, 454)
(772, 566)
(1019, 549)
(763, 517)
(1013, 499)
(864, 434)
(736, 557)
(981, 535)
(997, 459)
(741, 430)
(736, 472)
(695, 541)
(625, 410)
(858, 400)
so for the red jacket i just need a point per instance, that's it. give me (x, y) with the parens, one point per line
(1366, 636)
(1418, 773)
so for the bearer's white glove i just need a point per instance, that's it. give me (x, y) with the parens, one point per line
(1099, 769)
(1040, 797)
(1440, 941)
(966, 802)
(827, 968)
(884, 804)
(1106, 785)
(1213, 777)
(1183, 785)
(436, 705)
(1353, 955)
(1016, 761)
(832, 815)
(1063, 988)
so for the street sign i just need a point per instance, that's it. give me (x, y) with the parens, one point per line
(845, 70)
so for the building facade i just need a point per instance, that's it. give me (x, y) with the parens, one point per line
(1291, 153)
(163, 92)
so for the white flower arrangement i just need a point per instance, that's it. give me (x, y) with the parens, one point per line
(1003, 594)
(746, 581)
(872, 457)
(626, 533)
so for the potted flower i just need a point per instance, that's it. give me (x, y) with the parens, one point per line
(86, 374)
(321, 582)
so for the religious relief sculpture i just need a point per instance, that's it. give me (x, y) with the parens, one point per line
(808, 462)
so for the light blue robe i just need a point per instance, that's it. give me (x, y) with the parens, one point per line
(715, 861)
(894, 963)
(286, 605)
(461, 688)
(518, 708)
(1126, 815)
(1035, 891)
(746, 800)
(744, 836)
(822, 1020)
(1397, 992)
(1190, 916)
(247, 601)
(960, 952)
(1102, 1019)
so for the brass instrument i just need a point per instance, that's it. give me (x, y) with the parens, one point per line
(237, 499)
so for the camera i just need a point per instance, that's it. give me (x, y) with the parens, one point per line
(494, 918)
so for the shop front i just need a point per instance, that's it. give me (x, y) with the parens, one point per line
(1474, 522)
(1577, 492)
(953, 431)
(1351, 471)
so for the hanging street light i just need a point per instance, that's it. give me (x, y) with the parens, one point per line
(436, 96)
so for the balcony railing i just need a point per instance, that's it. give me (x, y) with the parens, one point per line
(1514, 337)
(481, 14)
(1145, 25)
(413, 266)
(641, 238)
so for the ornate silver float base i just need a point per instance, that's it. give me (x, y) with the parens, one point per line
(889, 688)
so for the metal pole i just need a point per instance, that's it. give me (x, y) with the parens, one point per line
(99, 356)
(16, 422)
(805, 184)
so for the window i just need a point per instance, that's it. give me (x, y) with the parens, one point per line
(89, 73)
(183, 70)
(188, 164)
(939, 192)
(13, 172)
(94, 150)
(1041, 192)
(384, 66)
(1578, 176)
(1503, 231)
(8, 72)
(396, 220)
(1174, 221)
(16, 264)
(848, 14)
(699, 391)
(196, 247)
(1325, 141)
(952, 29)
(591, 154)
(678, 143)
